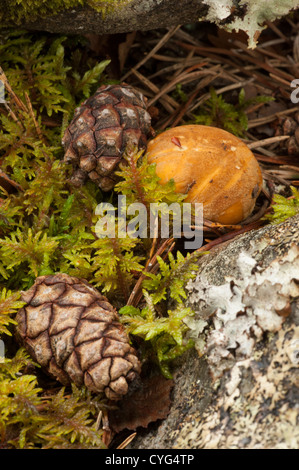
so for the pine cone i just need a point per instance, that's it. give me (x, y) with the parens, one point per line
(103, 126)
(290, 126)
(73, 332)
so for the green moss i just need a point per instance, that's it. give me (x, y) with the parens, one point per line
(29, 420)
(217, 112)
(18, 11)
(283, 207)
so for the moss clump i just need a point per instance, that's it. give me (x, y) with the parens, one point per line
(217, 112)
(30, 419)
(16, 11)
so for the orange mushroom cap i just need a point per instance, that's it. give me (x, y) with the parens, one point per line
(212, 167)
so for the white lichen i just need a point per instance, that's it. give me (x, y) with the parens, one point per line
(220, 10)
(252, 21)
(242, 309)
(260, 416)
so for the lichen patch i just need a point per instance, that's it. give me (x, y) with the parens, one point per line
(242, 309)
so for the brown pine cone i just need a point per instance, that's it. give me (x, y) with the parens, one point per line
(104, 125)
(73, 332)
(290, 126)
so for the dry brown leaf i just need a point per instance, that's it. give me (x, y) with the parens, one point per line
(124, 49)
(148, 404)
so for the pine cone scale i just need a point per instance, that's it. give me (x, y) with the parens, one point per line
(88, 163)
(62, 345)
(83, 299)
(115, 348)
(63, 319)
(84, 121)
(89, 331)
(109, 141)
(40, 348)
(105, 117)
(98, 375)
(72, 368)
(86, 144)
(99, 312)
(56, 371)
(106, 165)
(49, 294)
(119, 384)
(118, 368)
(37, 319)
(88, 356)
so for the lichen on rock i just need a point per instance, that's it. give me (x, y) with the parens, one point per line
(243, 309)
(252, 410)
(241, 390)
(247, 15)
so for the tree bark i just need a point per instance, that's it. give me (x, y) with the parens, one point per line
(240, 388)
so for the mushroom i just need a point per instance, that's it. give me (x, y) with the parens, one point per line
(212, 167)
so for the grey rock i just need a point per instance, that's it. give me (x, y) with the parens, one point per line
(239, 388)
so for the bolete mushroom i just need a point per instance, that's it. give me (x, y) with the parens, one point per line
(212, 167)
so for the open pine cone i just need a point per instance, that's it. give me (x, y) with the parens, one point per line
(104, 125)
(73, 332)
